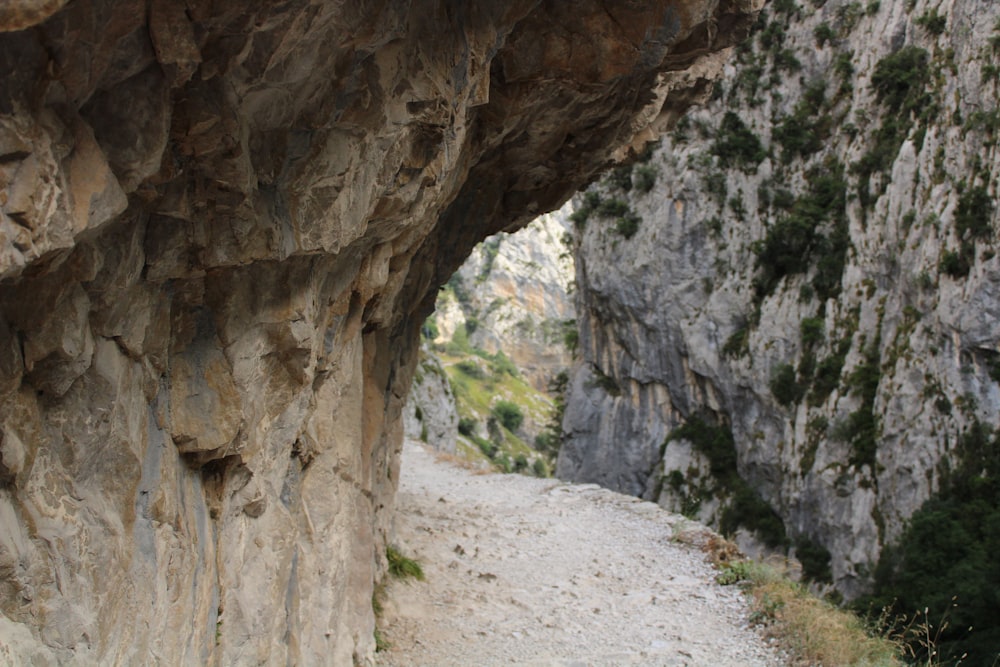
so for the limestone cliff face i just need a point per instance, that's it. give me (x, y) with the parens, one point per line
(223, 224)
(814, 276)
(431, 414)
(511, 295)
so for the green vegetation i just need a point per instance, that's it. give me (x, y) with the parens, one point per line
(945, 565)
(738, 343)
(606, 382)
(811, 331)
(571, 336)
(550, 439)
(815, 559)
(430, 330)
(826, 377)
(619, 178)
(861, 428)
(823, 34)
(843, 67)
(457, 286)
(932, 22)
(509, 414)
(467, 426)
(745, 507)
(973, 214)
(644, 177)
(806, 130)
(737, 145)
(900, 81)
(814, 631)
(628, 224)
(489, 391)
(490, 248)
(784, 385)
(954, 264)
(973, 222)
(471, 368)
(626, 220)
(402, 567)
(814, 231)
(589, 203)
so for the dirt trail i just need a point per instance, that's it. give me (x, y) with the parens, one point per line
(525, 571)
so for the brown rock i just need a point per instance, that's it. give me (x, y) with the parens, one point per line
(222, 226)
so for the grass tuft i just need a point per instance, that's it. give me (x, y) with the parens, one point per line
(814, 631)
(402, 567)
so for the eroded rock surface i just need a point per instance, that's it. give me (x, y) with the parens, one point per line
(815, 277)
(222, 225)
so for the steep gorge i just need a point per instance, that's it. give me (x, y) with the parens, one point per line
(223, 224)
(792, 334)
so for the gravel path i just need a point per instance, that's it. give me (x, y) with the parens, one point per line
(525, 571)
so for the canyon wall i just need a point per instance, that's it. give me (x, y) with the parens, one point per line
(789, 312)
(511, 296)
(222, 227)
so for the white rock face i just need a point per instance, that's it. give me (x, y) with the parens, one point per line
(681, 319)
(431, 415)
(515, 291)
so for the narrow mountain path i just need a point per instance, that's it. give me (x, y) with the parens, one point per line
(525, 571)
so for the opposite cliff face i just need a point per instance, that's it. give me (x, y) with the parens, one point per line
(222, 227)
(806, 301)
(511, 296)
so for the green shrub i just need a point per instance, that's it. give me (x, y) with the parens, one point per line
(489, 449)
(644, 177)
(954, 264)
(843, 67)
(430, 330)
(713, 441)
(848, 15)
(737, 145)
(823, 34)
(862, 426)
(611, 208)
(467, 426)
(945, 565)
(932, 22)
(589, 203)
(785, 7)
(508, 413)
(811, 331)
(571, 336)
(745, 507)
(500, 364)
(772, 37)
(973, 215)
(540, 468)
(471, 368)
(628, 224)
(606, 382)
(797, 238)
(899, 81)
(520, 463)
(785, 61)
(619, 178)
(503, 463)
(738, 343)
(827, 376)
(807, 128)
(784, 386)
(815, 559)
